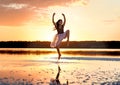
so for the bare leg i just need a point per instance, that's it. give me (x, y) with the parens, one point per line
(57, 77)
(67, 35)
(59, 54)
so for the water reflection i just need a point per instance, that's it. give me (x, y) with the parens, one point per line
(69, 55)
(56, 81)
(46, 51)
(35, 72)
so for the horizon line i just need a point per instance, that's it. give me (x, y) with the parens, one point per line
(62, 41)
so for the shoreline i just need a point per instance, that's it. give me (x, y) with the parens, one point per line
(72, 44)
(78, 52)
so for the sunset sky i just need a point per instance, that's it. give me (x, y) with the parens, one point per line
(30, 20)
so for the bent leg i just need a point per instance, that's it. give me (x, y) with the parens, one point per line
(59, 54)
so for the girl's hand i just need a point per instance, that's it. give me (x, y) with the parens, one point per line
(63, 14)
(53, 14)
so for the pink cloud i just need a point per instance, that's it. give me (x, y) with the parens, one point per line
(115, 20)
(17, 12)
(13, 17)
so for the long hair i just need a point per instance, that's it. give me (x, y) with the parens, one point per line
(57, 23)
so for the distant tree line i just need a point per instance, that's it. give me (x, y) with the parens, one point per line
(73, 44)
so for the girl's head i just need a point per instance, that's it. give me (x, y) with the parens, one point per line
(59, 22)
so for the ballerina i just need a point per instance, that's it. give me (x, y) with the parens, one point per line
(59, 26)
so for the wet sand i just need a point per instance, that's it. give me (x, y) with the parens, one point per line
(38, 72)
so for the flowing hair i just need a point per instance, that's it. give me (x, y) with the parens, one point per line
(57, 24)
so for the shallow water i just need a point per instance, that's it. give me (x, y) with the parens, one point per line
(41, 65)
(36, 54)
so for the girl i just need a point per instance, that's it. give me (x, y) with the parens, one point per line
(59, 26)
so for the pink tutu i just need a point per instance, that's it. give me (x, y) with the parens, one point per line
(58, 39)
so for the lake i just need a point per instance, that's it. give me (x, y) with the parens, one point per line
(78, 66)
(50, 54)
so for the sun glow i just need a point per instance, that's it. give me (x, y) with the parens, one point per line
(85, 22)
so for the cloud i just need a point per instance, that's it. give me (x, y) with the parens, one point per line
(80, 2)
(39, 3)
(109, 21)
(112, 21)
(18, 12)
(14, 17)
(14, 6)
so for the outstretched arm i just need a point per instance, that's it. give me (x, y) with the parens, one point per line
(64, 19)
(53, 19)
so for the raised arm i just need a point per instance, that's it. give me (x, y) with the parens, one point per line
(64, 19)
(53, 19)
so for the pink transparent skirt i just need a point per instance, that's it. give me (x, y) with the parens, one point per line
(58, 39)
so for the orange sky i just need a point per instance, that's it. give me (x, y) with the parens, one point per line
(30, 20)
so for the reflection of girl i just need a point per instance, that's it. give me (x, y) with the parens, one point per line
(56, 81)
(59, 26)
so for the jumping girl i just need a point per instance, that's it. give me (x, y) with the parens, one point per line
(59, 26)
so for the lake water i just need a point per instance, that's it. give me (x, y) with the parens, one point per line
(38, 54)
(36, 66)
